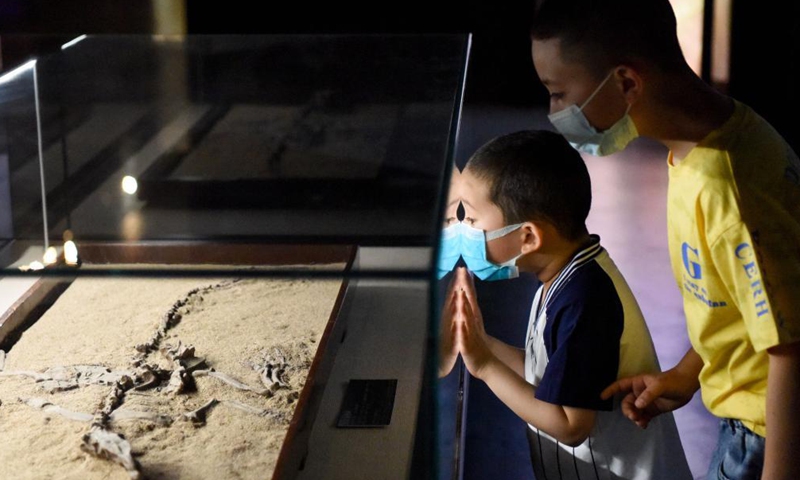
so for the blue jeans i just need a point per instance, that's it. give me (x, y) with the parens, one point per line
(739, 454)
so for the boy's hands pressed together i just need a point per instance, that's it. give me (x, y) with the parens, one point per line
(568, 425)
(448, 349)
(471, 338)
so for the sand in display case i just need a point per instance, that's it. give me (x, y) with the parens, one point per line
(162, 377)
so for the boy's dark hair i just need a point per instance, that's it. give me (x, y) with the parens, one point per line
(536, 175)
(604, 33)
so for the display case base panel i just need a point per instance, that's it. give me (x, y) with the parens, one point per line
(219, 411)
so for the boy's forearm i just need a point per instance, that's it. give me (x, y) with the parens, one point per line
(783, 403)
(689, 368)
(565, 425)
(513, 357)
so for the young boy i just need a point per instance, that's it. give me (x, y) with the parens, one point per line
(614, 70)
(526, 197)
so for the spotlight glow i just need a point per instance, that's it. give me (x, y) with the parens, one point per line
(70, 253)
(129, 185)
(50, 256)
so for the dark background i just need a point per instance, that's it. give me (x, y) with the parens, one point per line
(765, 45)
(501, 67)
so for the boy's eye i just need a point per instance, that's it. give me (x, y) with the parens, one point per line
(556, 96)
(469, 220)
(449, 220)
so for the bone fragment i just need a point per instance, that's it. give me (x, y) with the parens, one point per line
(146, 378)
(270, 371)
(278, 417)
(232, 382)
(48, 407)
(183, 356)
(270, 377)
(245, 407)
(113, 400)
(53, 386)
(125, 414)
(177, 381)
(25, 373)
(111, 446)
(178, 352)
(63, 378)
(198, 416)
(116, 415)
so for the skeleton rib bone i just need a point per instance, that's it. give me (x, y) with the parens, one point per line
(48, 407)
(125, 414)
(117, 415)
(245, 407)
(232, 382)
(276, 416)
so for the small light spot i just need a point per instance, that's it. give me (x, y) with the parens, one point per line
(50, 256)
(70, 252)
(129, 185)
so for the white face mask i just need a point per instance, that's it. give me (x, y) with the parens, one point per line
(573, 125)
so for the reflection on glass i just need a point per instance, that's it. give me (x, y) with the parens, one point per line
(689, 15)
(73, 42)
(13, 74)
(50, 256)
(132, 226)
(70, 253)
(129, 185)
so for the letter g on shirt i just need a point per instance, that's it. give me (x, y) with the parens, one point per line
(690, 261)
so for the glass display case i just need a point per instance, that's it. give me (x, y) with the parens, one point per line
(217, 255)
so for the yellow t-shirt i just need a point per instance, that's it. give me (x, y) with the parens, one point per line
(734, 239)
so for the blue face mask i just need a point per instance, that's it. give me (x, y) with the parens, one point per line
(462, 240)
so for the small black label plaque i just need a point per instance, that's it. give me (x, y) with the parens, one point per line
(367, 403)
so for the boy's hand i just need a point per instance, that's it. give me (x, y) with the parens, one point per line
(470, 335)
(448, 349)
(650, 395)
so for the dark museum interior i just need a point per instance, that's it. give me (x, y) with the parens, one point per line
(758, 64)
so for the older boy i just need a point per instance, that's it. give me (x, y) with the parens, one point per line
(614, 70)
(526, 197)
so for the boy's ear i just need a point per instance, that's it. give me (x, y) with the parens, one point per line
(630, 83)
(532, 234)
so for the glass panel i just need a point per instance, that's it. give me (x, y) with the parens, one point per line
(20, 179)
(336, 139)
(292, 180)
